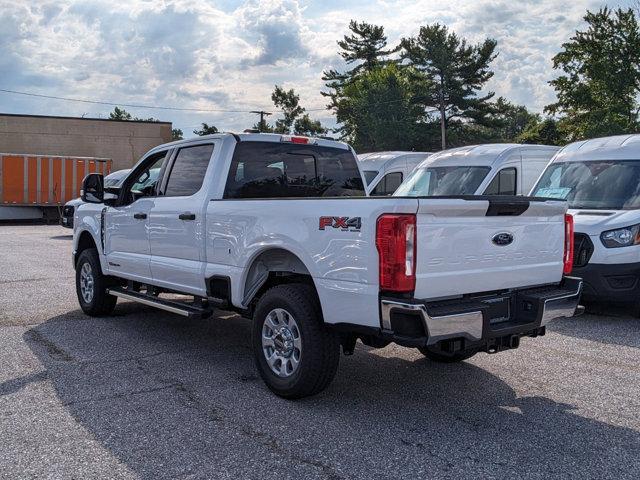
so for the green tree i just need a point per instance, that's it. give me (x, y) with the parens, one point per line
(378, 111)
(263, 126)
(458, 72)
(176, 134)
(509, 120)
(545, 132)
(289, 102)
(597, 92)
(367, 44)
(365, 49)
(206, 129)
(294, 114)
(304, 125)
(120, 114)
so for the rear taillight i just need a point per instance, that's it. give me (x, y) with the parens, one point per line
(396, 243)
(568, 244)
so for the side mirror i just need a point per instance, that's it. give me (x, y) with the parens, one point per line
(110, 196)
(92, 188)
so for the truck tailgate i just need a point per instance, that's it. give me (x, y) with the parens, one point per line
(481, 245)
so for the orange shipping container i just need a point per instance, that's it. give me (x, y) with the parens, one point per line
(45, 180)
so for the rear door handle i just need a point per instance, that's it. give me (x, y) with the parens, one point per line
(139, 216)
(187, 216)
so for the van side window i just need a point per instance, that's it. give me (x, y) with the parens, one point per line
(187, 172)
(504, 183)
(388, 184)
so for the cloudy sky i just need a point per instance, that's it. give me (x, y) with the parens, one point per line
(227, 55)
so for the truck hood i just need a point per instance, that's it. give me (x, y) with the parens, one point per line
(594, 222)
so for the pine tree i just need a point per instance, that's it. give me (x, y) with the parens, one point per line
(458, 72)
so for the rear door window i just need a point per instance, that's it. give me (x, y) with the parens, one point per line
(388, 184)
(188, 170)
(276, 170)
(504, 183)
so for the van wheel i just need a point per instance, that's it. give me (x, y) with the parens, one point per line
(296, 355)
(91, 285)
(437, 355)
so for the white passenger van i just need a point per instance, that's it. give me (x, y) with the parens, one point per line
(385, 171)
(491, 169)
(600, 179)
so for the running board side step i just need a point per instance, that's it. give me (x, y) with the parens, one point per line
(179, 308)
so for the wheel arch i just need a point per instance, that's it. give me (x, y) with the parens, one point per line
(85, 241)
(269, 267)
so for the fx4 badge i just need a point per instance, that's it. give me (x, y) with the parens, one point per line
(352, 224)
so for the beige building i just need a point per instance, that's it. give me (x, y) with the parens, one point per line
(122, 141)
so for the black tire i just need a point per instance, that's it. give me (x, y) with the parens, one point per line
(100, 303)
(437, 355)
(320, 348)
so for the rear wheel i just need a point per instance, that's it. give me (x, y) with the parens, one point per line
(438, 355)
(91, 285)
(296, 355)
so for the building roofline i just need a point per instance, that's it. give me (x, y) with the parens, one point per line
(80, 118)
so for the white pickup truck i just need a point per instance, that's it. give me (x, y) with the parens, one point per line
(278, 229)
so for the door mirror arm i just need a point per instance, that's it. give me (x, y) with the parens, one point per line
(111, 196)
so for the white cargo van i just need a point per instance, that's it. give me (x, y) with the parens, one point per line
(492, 169)
(385, 171)
(600, 179)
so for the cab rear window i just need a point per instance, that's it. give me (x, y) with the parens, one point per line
(276, 170)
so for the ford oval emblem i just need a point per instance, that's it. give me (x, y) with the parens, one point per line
(502, 239)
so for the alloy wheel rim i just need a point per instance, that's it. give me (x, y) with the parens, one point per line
(281, 342)
(86, 282)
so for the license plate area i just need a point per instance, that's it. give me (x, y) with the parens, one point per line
(498, 310)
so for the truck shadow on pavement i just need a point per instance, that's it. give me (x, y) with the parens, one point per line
(169, 398)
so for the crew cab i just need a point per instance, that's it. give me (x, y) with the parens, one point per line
(278, 229)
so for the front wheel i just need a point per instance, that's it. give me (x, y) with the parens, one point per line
(296, 355)
(437, 355)
(91, 285)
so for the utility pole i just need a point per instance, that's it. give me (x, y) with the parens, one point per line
(262, 114)
(443, 125)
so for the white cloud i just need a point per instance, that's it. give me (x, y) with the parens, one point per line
(228, 55)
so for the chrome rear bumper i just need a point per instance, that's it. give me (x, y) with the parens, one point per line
(533, 309)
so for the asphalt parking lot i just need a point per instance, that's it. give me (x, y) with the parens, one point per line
(145, 394)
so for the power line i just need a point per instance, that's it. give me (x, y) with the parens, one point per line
(130, 105)
(179, 109)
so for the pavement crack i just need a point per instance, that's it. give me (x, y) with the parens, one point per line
(273, 445)
(102, 398)
(54, 351)
(37, 279)
(216, 415)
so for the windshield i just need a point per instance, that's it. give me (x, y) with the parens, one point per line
(369, 175)
(431, 181)
(604, 185)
